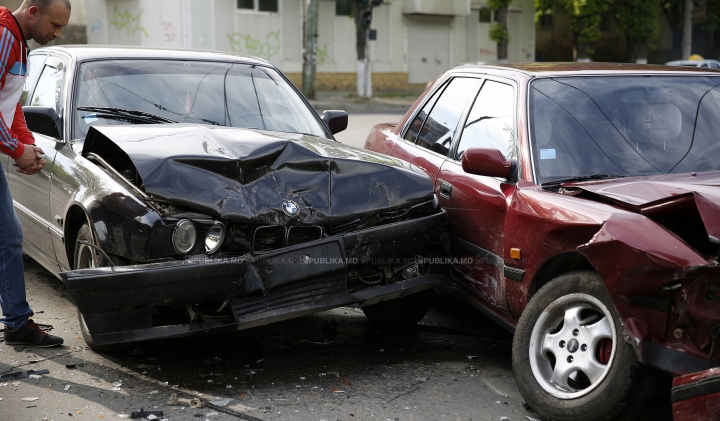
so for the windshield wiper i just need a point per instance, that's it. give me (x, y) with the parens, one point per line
(135, 115)
(556, 183)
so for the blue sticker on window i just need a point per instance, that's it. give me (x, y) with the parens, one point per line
(547, 153)
(90, 118)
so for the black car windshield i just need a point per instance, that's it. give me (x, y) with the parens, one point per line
(624, 126)
(217, 93)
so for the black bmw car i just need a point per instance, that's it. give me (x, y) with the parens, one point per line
(195, 192)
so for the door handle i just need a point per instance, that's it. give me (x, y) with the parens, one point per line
(445, 189)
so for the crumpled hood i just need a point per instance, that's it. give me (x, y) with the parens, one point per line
(651, 195)
(248, 175)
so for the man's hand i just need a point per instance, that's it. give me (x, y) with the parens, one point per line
(31, 161)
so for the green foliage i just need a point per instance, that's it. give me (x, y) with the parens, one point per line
(585, 17)
(638, 18)
(498, 32)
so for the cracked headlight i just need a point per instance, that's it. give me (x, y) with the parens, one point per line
(184, 236)
(214, 237)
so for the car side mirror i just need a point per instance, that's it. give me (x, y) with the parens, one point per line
(43, 120)
(335, 120)
(488, 162)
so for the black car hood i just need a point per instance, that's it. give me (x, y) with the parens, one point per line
(256, 176)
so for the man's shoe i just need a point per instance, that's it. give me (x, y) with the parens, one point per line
(31, 334)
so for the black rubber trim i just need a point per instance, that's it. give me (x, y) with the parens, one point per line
(702, 387)
(514, 274)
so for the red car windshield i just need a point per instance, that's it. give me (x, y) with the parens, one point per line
(623, 126)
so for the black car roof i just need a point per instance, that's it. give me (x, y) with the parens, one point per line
(82, 52)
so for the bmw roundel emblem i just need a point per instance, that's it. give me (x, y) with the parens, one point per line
(290, 207)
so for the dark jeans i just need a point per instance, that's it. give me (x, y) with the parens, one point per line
(15, 308)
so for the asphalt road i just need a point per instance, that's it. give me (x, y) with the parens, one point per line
(331, 366)
(359, 125)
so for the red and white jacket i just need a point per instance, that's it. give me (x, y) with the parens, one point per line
(14, 134)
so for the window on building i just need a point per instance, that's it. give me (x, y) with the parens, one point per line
(485, 15)
(258, 5)
(246, 4)
(268, 6)
(342, 8)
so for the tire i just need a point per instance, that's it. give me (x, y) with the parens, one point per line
(88, 257)
(400, 313)
(569, 359)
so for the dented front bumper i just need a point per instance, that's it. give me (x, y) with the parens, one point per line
(220, 294)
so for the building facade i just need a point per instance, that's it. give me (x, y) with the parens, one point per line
(416, 41)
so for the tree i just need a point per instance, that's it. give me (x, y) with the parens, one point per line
(638, 19)
(585, 18)
(310, 44)
(499, 32)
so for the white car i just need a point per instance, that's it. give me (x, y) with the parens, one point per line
(712, 64)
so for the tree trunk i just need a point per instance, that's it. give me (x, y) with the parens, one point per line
(360, 32)
(637, 50)
(581, 48)
(502, 45)
(687, 30)
(364, 81)
(309, 65)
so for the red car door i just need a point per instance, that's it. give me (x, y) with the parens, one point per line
(477, 205)
(427, 139)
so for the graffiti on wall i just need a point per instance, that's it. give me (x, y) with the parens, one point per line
(96, 28)
(246, 44)
(321, 55)
(169, 31)
(125, 21)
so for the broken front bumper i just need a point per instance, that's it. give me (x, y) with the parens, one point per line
(135, 303)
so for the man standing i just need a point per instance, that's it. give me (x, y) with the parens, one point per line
(41, 20)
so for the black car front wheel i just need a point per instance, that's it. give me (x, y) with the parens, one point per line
(87, 255)
(569, 358)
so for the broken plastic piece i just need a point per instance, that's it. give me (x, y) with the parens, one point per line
(145, 414)
(29, 399)
(35, 376)
(221, 402)
(67, 387)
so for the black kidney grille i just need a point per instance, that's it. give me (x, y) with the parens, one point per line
(269, 238)
(299, 235)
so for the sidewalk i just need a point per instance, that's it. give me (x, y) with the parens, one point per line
(381, 102)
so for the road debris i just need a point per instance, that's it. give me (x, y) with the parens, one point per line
(35, 376)
(421, 379)
(221, 402)
(67, 387)
(192, 403)
(22, 374)
(531, 418)
(145, 414)
(29, 399)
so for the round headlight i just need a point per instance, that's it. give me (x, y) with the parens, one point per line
(184, 236)
(214, 237)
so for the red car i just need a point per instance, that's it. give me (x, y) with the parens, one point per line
(584, 215)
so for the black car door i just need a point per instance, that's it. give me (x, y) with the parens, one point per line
(31, 194)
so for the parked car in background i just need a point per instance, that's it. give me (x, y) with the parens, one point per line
(708, 64)
(587, 198)
(189, 193)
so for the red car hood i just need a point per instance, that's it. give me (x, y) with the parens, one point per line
(652, 195)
